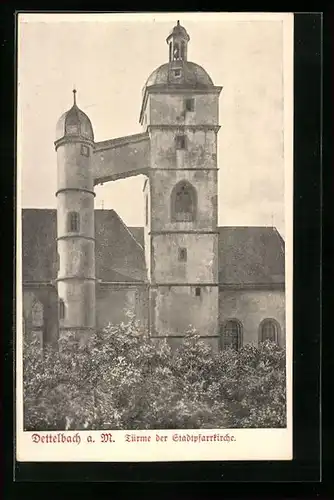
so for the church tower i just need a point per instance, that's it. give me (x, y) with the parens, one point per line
(75, 222)
(180, 112)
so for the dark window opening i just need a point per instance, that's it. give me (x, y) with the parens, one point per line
(268, 331)
(61, 309)
(183, 202)
(84, 150)
(190, 104)
(170, 51)
(198, 291)
(177, 72)
(183, 50)
(182, 254)
(180, 142)
(176, 52)
(73, 222)
(232, 335)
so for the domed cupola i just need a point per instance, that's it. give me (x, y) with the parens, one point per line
(178, 72)
(74, 123)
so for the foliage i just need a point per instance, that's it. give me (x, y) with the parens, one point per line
(121, 379)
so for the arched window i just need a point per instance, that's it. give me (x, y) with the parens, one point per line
(269, 329)
(61, 309)
(183, 202)
(73, 222)
(37, 314)
(232, 334)
(170, 51)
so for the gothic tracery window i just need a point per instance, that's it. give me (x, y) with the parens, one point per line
(232, 334)
(37, 314)
(183, 202)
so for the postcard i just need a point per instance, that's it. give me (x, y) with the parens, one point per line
(154, 237)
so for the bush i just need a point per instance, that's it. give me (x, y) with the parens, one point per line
(122, 380)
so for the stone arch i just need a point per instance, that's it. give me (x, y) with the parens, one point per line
(183, 202)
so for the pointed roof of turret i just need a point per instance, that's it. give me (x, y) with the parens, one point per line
(74, 123)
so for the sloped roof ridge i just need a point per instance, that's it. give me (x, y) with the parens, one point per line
(115, 214)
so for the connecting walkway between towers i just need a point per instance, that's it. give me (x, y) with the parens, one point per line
(121, 158)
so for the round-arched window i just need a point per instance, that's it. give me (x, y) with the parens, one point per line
(269, 329)
(231, 335)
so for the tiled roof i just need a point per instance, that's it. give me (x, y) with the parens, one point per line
(247, 255)
(119, 257)
(251, 255)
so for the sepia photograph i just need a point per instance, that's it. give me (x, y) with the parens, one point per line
(154, 236)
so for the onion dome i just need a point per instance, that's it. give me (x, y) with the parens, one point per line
(190, 74)
(74, 123)
(179, 71)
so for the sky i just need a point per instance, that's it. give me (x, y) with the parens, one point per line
(108, 58)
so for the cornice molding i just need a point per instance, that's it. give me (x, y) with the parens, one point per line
(252, 286)
(71, 236)
(178, 231)
(74, 139)
(75, 278)
(120, 141)
(184, 126)
(82, 190)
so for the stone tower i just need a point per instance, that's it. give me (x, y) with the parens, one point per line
(180, 113)
(75, 222)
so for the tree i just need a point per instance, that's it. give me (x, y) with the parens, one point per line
(121, 379)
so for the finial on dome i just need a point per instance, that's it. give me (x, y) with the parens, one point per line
(74, 96)
(178, 23)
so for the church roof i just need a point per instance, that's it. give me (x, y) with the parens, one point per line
(119, 257)
(192, 75)
(251, 255)
(74, 123)
(247, 255)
